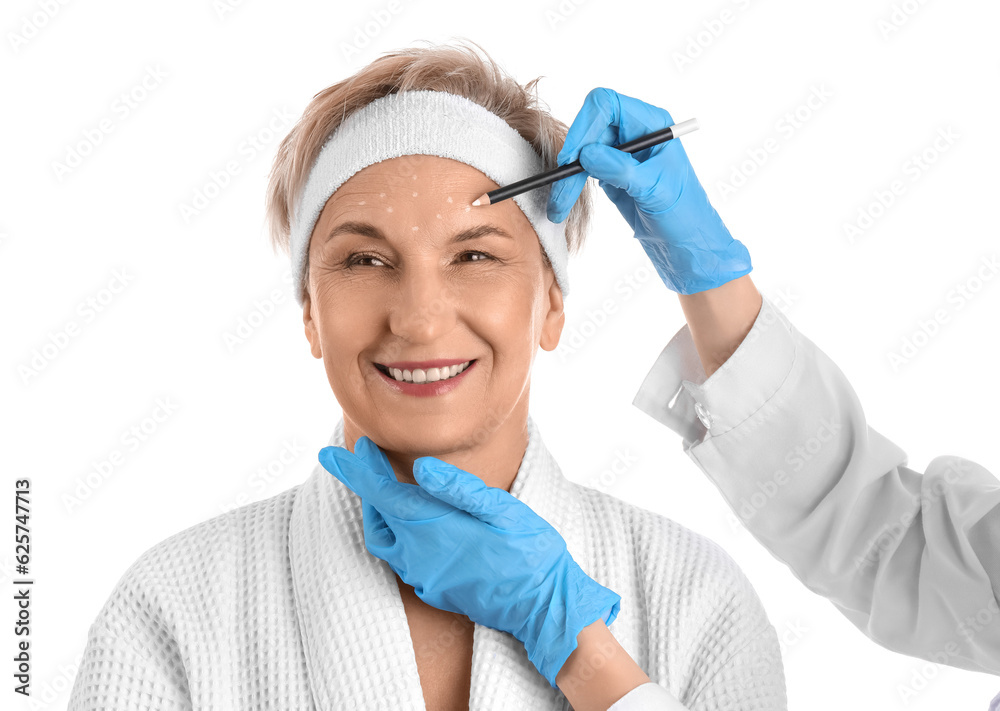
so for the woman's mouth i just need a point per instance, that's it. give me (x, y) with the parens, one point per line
(433, 381)
(430, 375)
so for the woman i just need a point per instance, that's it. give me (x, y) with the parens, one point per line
(280, 604)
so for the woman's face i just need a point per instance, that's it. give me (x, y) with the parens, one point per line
(418, 295)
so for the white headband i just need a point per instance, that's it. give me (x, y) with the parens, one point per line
(433, 123)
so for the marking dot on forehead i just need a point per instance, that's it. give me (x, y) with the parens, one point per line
(388, 209)
(415, 228)
(449, 199)
(439, 217)
(381, 194)
(414, 194)
(362, 202)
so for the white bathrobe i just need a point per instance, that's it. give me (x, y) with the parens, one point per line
(278, 605)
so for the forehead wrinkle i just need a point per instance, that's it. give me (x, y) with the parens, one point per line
(429, 215)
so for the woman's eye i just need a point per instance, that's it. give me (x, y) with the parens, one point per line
(484, 254)
(355, 259)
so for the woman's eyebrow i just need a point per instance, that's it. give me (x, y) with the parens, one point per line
(369, 230)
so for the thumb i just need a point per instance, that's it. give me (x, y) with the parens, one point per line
(563, 195)
(617, 168)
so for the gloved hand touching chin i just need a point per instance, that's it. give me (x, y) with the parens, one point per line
(476, 550)
(655, 190)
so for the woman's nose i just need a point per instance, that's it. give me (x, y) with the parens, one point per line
(425, 309)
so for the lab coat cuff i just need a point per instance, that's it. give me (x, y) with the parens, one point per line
(677, 393)
(647, 697)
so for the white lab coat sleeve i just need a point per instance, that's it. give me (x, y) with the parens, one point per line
(911, 559)
(124, 675)
(648, 697)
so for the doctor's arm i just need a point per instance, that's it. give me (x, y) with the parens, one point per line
(912, 559)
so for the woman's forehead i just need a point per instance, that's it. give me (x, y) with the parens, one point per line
(423, 190)
(429, 172)
(424, 202)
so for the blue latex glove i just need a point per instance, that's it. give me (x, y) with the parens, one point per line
(476, 550)
(655, 190)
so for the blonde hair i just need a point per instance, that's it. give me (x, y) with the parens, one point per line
(453, 68)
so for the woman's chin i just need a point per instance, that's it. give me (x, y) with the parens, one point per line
(425, 442)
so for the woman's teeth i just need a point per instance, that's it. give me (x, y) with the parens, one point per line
(430, 375)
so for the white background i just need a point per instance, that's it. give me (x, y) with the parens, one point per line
(225, 70)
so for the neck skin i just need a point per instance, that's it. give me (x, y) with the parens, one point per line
(495, 460)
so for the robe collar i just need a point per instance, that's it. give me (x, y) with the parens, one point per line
(351, 618)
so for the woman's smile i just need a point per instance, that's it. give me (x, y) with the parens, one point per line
(434, 381)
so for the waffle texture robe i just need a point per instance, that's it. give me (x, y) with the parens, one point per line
(279, 605)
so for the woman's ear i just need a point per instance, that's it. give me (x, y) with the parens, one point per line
(312, 332)
(555, 317)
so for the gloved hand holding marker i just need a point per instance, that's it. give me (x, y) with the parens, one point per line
(650, 180)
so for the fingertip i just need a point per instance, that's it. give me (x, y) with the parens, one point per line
(330, 463)
(555, 210)
(326, 454)
(426, 473)
(361, 445)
